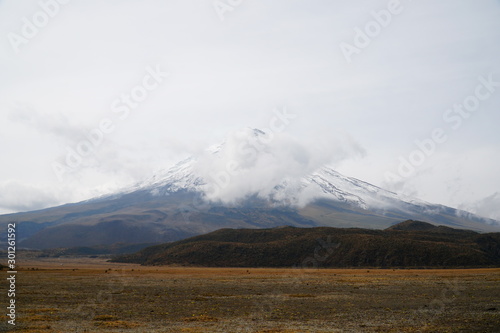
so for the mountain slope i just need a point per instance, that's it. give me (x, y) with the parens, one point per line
(400, 246)
(190, 199)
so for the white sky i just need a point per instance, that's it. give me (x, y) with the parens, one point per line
(229, 74)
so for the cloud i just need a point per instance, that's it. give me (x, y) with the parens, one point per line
(227, 74)
(18, 197)
(487, 207)
(252, 162)
(57, 125)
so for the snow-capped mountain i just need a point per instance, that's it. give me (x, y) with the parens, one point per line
(323, 184)
(241, 183)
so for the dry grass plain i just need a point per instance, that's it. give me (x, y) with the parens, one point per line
(91, 295)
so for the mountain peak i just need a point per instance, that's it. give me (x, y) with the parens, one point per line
(411, 225)
(248, 181)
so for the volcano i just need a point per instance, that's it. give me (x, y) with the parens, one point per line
(198, 196)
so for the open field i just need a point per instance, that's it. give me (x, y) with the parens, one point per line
(92, 295)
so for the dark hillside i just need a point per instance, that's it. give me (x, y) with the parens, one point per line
(408, 244)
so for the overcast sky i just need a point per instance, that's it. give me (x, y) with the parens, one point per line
(154, 81)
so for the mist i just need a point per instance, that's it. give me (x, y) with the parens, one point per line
(253, 162)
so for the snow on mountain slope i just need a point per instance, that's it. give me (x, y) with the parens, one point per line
(237, 169)
(324, 183)
(248, 181)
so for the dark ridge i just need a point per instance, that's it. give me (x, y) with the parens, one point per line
(411, 225)
(116, 249)
(407, 244)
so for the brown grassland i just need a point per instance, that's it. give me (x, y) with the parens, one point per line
(92, 295)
